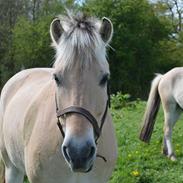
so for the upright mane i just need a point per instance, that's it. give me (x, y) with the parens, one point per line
(80, 41)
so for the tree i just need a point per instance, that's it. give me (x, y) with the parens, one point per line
(174, 10)
(31, 43)
(10, 10)
(24, 34)
(138, 32)
(171, 48)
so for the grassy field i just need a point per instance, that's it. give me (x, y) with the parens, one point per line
(139, 162)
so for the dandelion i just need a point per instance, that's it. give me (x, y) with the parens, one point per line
(136, 152)
(135, 173)
(177, 151)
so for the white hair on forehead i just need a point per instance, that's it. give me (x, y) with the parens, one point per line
(80, 42)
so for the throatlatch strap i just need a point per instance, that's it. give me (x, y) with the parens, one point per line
(104, 116)
(61, 128)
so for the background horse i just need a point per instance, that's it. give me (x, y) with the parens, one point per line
(73, 94)
(168, 88)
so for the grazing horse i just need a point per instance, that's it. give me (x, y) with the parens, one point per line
(168, 89)
(72, 95)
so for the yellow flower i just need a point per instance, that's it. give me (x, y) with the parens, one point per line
(135, 173)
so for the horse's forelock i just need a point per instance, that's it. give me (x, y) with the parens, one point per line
(79, 41)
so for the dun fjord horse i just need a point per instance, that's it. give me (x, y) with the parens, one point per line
(169, 89)
(55, 126)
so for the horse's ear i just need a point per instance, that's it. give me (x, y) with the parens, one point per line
(56, 30)
(106, 30)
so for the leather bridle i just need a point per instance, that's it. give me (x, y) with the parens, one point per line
(79, 110)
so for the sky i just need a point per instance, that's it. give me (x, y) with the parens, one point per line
(79, 1)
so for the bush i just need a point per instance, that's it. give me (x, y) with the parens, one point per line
(120, 100)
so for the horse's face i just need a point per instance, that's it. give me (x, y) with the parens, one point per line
(83, 84)
(87, 90)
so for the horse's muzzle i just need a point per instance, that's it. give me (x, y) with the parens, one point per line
(80, 158)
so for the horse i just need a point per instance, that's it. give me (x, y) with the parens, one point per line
(168, 90)
(55, 125)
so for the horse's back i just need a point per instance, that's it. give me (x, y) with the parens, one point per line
(16, 97)
(170, 86)
(22, 79)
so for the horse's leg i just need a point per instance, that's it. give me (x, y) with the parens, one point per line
(12, 174)
(171, 115)
(2, 170)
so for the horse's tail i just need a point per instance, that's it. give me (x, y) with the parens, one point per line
(2, 170)
(152, 108)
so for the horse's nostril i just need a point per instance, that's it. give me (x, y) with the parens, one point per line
(66, 154)
(92, 152)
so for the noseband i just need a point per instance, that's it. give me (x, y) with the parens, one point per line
(79, 110)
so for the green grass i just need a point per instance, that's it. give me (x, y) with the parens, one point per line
(139, 162)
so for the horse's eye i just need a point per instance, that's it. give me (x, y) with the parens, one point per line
(57, 79)
(104, 80)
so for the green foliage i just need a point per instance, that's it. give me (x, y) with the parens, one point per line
(137, 40)
(31, 39)
(24, 34)
(119, 100)
(31, 43)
